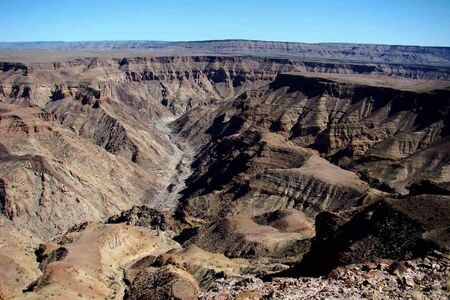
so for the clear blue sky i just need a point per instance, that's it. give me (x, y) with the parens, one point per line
(412, 22)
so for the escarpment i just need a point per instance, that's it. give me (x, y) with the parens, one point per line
(141, 177)
(358, 127)
(318, 146)
(98, 105)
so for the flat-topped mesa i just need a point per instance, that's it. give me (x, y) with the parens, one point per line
(72, 68)
(337, 52)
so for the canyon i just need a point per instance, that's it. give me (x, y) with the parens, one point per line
(157, 170)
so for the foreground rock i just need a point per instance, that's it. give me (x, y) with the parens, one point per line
(204, 266)
(88, 261)
(163, 283)
(390, 229)
(17, 260)
(424, 278)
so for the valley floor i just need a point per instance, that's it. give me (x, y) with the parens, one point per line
(179, 166)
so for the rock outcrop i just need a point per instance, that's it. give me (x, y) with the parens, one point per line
(147, 217)
(163, 283)
(94, 255)
(389, 229)
(204, 266)
(242, 237)
(423, 278)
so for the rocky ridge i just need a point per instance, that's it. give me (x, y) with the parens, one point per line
(424, 278)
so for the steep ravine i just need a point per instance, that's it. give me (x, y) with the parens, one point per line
(179, 166)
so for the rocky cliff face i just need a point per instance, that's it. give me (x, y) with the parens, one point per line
(54, 115)
(284, 167)
(277, 147)
(370, 130)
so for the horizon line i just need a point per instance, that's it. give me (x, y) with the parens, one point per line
(222, 40)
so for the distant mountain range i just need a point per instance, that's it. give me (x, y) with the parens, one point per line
(358, 53)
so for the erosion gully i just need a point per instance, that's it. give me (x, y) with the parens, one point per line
(180, 166)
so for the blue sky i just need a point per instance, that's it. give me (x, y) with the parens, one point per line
(413, 22)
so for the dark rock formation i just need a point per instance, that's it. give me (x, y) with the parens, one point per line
(164, 283)
(389, 229)
(146, 217)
